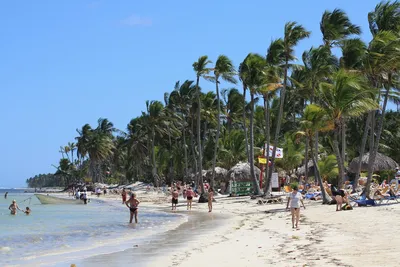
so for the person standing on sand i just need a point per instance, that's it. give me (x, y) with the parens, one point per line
(189, 197)
(14, 207)
(210, 199)
(133, 204)
(123, 196)
(175, 196)
(294, 200)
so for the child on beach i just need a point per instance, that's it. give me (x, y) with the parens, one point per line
(189, 197)
(210, 198)
(175, 195)
(133, 204)
(294, 200)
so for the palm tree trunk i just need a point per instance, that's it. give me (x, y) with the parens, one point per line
(244, 124)
(372, 154)
(343, 142)
(217, 135)
(306, 157)
(267, 138)
(171, 160)
(186, 156)
(338, 157)
(279, 119)
(153, 154)
(362, 149)
(326, 199)
(251, 150)
(199, 135)
(194, 152)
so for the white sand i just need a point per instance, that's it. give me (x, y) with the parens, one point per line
(261, 235)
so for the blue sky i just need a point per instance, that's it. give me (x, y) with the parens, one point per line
(66, 63)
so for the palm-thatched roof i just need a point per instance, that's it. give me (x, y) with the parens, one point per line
(220, 174)
(382, 163)
(241, 172)
(302, 170)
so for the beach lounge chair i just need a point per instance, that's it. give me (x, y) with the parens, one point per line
(362, 201)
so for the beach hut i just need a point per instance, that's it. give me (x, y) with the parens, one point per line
(382, 163)
(220, 177)
(240, 173)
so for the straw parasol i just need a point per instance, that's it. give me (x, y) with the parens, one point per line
(220, 174)
(241, 172)
(382, 163)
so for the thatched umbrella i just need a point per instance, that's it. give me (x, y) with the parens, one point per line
(302, 170)
(382, 163)
(241, 172)
(220, 174)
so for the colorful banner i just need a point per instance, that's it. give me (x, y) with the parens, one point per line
(278, 154)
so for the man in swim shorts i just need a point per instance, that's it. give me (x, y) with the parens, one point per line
(133, 204)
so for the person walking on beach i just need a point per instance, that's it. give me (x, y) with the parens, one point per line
(5, 195)
(133, 204)
(84, 197)
(123, 196)
(294, 200)
(210, 199)
(189, 197)
(175, 195)
(14, 207)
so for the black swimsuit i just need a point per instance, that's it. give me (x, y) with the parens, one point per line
(133, 209)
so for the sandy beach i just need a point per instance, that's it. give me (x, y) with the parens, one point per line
(240, 232)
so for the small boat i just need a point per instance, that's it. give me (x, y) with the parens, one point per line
(47, 199)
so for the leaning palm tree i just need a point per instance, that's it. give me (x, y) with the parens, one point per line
(223, 69)
(336, 26)
(293, 33)
(348, 96)
(201, 69)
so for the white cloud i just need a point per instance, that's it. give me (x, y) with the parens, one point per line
(135, 20)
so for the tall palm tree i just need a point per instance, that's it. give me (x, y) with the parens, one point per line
(180, 99)
(201, 69)
(252, 74)
(293, 34)
(349, 95)
(382, 62)
(336, 26)
(157, 124)
(223, 69)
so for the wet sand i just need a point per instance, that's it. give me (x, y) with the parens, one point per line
(199, 225)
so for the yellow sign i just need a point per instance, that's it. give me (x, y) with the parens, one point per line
(262, 160)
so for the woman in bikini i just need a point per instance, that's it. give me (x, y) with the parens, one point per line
(294, 200)
(14, 207)
(133, 204)
(189, 197)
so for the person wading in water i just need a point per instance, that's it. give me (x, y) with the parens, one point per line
(133, 204)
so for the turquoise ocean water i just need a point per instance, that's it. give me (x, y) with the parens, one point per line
(57, 235)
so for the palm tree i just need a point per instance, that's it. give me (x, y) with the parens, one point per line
(382, 63)
(349, 95)
(314, 119)
(293, 33)
(201, 70)
(180, 100)
(223, 69)
(336, 26)
(252, 74)
(157, 124)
